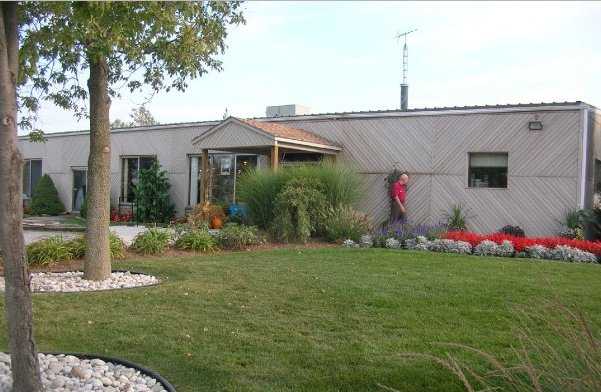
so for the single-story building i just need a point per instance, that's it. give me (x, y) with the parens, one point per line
(524, 164)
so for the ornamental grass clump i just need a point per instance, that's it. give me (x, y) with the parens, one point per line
(77, 247)
(264, 193)
(236, 236)
(343, 222)
(48, 251)
(300, 210)
(555, 349)
(197, 240)
(152, 242)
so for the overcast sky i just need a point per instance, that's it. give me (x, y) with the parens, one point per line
(343, 57)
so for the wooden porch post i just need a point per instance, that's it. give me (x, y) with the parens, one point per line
(205, 176)
(275, 157)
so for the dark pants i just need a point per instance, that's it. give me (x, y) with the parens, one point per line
(396, 216)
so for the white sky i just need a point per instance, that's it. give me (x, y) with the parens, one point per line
(342, 56)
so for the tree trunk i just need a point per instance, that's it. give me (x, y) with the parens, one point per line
(98, 257)
(24, 359)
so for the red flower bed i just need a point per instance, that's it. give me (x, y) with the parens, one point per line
(117, 217)
(521, 243)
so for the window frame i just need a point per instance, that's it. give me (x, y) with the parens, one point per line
(469, 169)
(123, 199)
(27, 162)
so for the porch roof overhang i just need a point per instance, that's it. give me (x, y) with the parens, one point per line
(234, 134)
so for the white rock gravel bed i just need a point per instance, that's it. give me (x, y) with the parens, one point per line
(68, 282)
(66, 373)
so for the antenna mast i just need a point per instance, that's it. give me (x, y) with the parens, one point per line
(405, 69)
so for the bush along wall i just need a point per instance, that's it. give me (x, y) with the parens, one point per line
(45, 200)
(294, 203)
(152, 196)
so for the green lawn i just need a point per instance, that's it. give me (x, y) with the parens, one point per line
(309, 320)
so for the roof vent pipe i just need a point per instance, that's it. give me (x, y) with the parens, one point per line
(404, 96)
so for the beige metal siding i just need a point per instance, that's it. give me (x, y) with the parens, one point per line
(543, 165)
(171, 146)
(233, 135)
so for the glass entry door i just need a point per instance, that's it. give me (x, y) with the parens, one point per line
(80, 187)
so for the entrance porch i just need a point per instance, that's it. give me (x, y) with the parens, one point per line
(235, 145)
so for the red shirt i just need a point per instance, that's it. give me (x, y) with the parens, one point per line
(398, 190)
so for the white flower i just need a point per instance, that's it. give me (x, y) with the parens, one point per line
(350, 244)
(393, 243)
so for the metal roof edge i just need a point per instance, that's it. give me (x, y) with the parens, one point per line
(454, 110)
(577, 105)
(157, 127)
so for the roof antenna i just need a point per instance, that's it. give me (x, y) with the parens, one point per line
(405, 70)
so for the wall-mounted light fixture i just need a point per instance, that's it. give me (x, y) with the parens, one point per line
(535, 125)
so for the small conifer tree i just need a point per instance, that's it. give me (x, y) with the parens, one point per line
(45, 200)
(152, 196)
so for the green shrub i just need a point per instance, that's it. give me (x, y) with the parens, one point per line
(151, 242)
(152, 196)
(344, 223)
(117, 246)
(340, 184)
(48, 251)
(456, 220)
(45, 200)
(77, 247)
(235, 236)
(300, 209)
(259, 189)
(197, 239)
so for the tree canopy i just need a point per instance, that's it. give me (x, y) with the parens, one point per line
(140, 117)
(155, 44)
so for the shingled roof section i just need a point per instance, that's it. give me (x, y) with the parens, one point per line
(286, 132)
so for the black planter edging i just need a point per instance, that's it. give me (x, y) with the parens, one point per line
(118, 361)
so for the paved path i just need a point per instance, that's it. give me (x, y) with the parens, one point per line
(36, 235)
(126, 233)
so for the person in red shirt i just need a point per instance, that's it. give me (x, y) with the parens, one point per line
(398, 196)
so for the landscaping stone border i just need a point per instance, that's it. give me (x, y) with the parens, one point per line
(118, 361)
(102, 290)
(124, 362)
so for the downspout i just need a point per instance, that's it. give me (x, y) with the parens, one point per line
(584, 161)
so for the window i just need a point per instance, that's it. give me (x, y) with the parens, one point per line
(80, 187)
(32, 172)
(224, 174)
(301, 158)
(130, 172)
(597, 184)
(487, 170)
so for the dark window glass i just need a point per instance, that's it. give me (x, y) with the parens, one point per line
(130, 172)
(80, 185)
(36, 173)
(488, 170)
(301, 158)
(32, 172)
